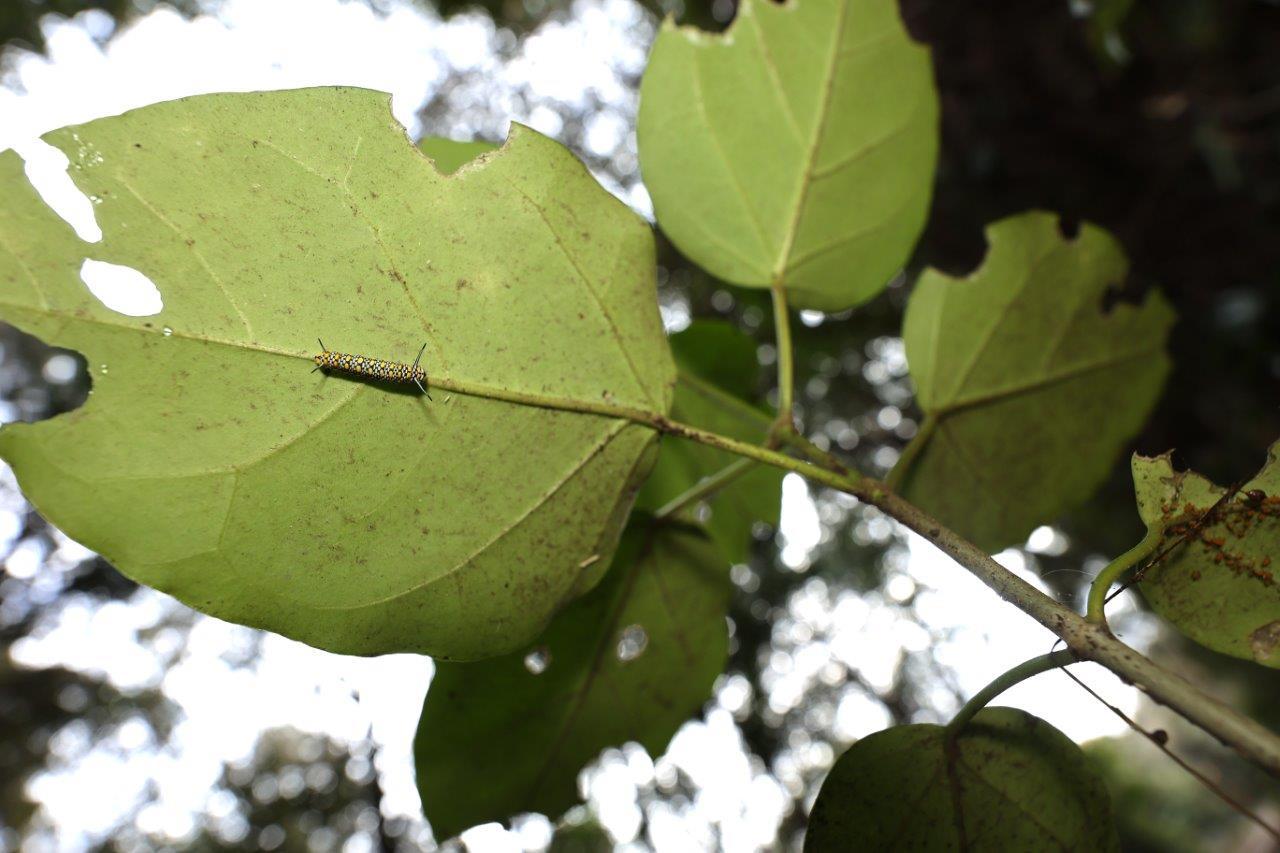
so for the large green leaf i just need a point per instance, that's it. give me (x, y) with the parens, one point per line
(1010, 781)
(1030, 385)
(799, 146)
(630, 661)
(1216, 580)
(717, 371)
(212, 464)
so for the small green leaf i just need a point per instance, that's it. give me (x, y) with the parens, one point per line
(799, 146)
(1011, 781)
(717, 372)
(451, 155)
(1029, 385)
(630, 661)
(1218, 585)
(212, 464)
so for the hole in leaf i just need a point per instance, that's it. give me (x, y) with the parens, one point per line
(46, 168)
(538, 660)
(1131, 292)
(632, 642)
(122, 289)
(1069, 227)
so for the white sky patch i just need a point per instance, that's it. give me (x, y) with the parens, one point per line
(987, 637)
(224, 710)
(123, 289)
(800, 527)
(46, 168)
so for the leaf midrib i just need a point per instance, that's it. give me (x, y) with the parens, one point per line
(824, 110)
(536, 399)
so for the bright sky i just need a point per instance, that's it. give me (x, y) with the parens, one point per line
(259, 44)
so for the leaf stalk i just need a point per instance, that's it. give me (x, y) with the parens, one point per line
(1089, 640)
(1016, 675)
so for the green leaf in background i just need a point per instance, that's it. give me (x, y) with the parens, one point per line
(718, 372)
(1029, 385)
(1218, 586)
(450, 155)
(1011, 781)
(799, 146)
(212, 464)
(630, 661)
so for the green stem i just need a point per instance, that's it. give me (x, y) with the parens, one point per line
(786, 369)
(706, 487)
(1089, 640)
(1116, 569)
(1019, 673)
(814, 453)
(911, 451)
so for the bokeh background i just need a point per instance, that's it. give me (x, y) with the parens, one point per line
(128, 722)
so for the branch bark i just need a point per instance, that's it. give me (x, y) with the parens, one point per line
(1088, 640)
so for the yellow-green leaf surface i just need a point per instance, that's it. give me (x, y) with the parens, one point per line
(717, 373)
(450, 155)
(1029, 384)
(1217, 585)
(1011, 781)
(799, 146)
(630, 661)
(211, 463)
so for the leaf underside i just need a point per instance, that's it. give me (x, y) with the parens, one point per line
(797, 147)
(496, 739)
(1012, 782)
(359, 517)
(1216, 582)
(1029, 385)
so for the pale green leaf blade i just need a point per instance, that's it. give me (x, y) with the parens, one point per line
(1013, 782)
(1217, 584)
(1029, 385)
(707, 351)
(212, 464)
(799, 146)
(450, 155)
(668, 586)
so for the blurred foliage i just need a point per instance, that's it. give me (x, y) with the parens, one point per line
(20, 19)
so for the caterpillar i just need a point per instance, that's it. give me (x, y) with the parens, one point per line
(359, 365)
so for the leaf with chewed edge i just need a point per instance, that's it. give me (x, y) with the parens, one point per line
(629, 661)
(1217, 584)
(211, 463)
(1029, 384)
(450, 155)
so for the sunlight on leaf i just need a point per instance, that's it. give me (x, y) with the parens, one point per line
(799, 146)
(1030, 384)
(1218, 585)
(498, 738)
(1011, 782)
(211, 463)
